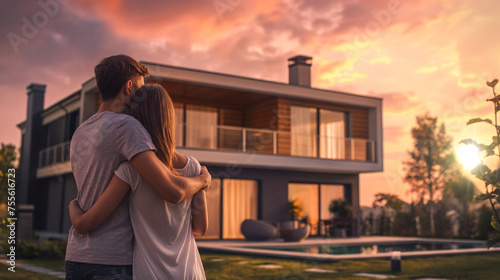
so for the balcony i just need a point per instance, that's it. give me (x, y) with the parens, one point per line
(274, 142)
(252, 141)
(54, 154)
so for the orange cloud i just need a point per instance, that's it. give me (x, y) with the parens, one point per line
(179, 21)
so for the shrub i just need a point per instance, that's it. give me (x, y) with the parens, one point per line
(404, 224)
(47, 249)
(484, 222)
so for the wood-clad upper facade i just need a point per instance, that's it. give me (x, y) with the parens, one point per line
(268, 118)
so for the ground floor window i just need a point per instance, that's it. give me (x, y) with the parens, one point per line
(230, 202)
(314, 200)
(213, 204)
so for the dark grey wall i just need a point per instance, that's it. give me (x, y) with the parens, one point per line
(60, 191)
(54, 191)
(273, 186)
(69, 194)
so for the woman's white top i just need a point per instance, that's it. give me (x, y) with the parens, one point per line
(164, 243)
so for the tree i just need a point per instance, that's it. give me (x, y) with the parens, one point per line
(8, 158)
(460, 193)
(431, 163)
(387, 202)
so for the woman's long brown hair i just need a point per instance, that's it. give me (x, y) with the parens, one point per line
(154, 109)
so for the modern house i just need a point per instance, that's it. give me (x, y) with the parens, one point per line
(265, 144)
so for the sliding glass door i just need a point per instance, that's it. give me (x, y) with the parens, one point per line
(332, 134)
(315, 200)
(179, 124)
(213, 208)
(239, 202)
(306, 196)
(303, 130)
(329, 193)
(201, 127)
(307, 123)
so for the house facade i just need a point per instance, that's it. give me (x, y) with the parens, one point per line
(265, 144)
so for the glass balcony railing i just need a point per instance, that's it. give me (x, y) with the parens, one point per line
(54, 154)
(265, 141)
(250, 140)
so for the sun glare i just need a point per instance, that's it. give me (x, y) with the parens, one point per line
(468, 155)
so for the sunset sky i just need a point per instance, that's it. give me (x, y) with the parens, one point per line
(419, 55)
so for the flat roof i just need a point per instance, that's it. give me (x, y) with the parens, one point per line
(227, 78)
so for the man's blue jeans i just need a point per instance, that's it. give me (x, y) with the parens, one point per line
(87, 271)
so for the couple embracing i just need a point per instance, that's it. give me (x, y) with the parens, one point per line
(132, 182)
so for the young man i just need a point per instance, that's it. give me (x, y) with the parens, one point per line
(97, 148)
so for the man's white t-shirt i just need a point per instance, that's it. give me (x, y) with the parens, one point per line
(164, 243)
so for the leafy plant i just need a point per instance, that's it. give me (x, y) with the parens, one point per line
(340, 208)
(491, 178)
(294, 209)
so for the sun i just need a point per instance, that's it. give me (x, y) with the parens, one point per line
(468, 155)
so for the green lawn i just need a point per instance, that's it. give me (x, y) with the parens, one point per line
(485, 266)
(52, 264)
(229, 266)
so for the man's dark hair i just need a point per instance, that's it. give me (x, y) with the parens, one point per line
(114, 71)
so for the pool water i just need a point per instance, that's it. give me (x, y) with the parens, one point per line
(371, 249)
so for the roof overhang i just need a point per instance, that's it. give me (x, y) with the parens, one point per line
(161, 72)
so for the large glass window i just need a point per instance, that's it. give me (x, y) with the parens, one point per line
(306, 196)
(62, 129)
(179, 124)
(305, 128)
(332, 134)
(239, 203)
(201, 127)
(74, 121)
(213, 208)
(303, 131)
(314, 200)
(55, 132)
(329, 193)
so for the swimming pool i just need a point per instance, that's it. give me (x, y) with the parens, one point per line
(372, 249)
(335, 249)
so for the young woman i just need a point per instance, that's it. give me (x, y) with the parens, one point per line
(164, 243)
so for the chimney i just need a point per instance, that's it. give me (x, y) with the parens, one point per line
(299, 70)
(31, 142)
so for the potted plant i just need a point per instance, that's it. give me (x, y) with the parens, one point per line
(291, 230)
(340, 208)
(294, 210)
(342, 211)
